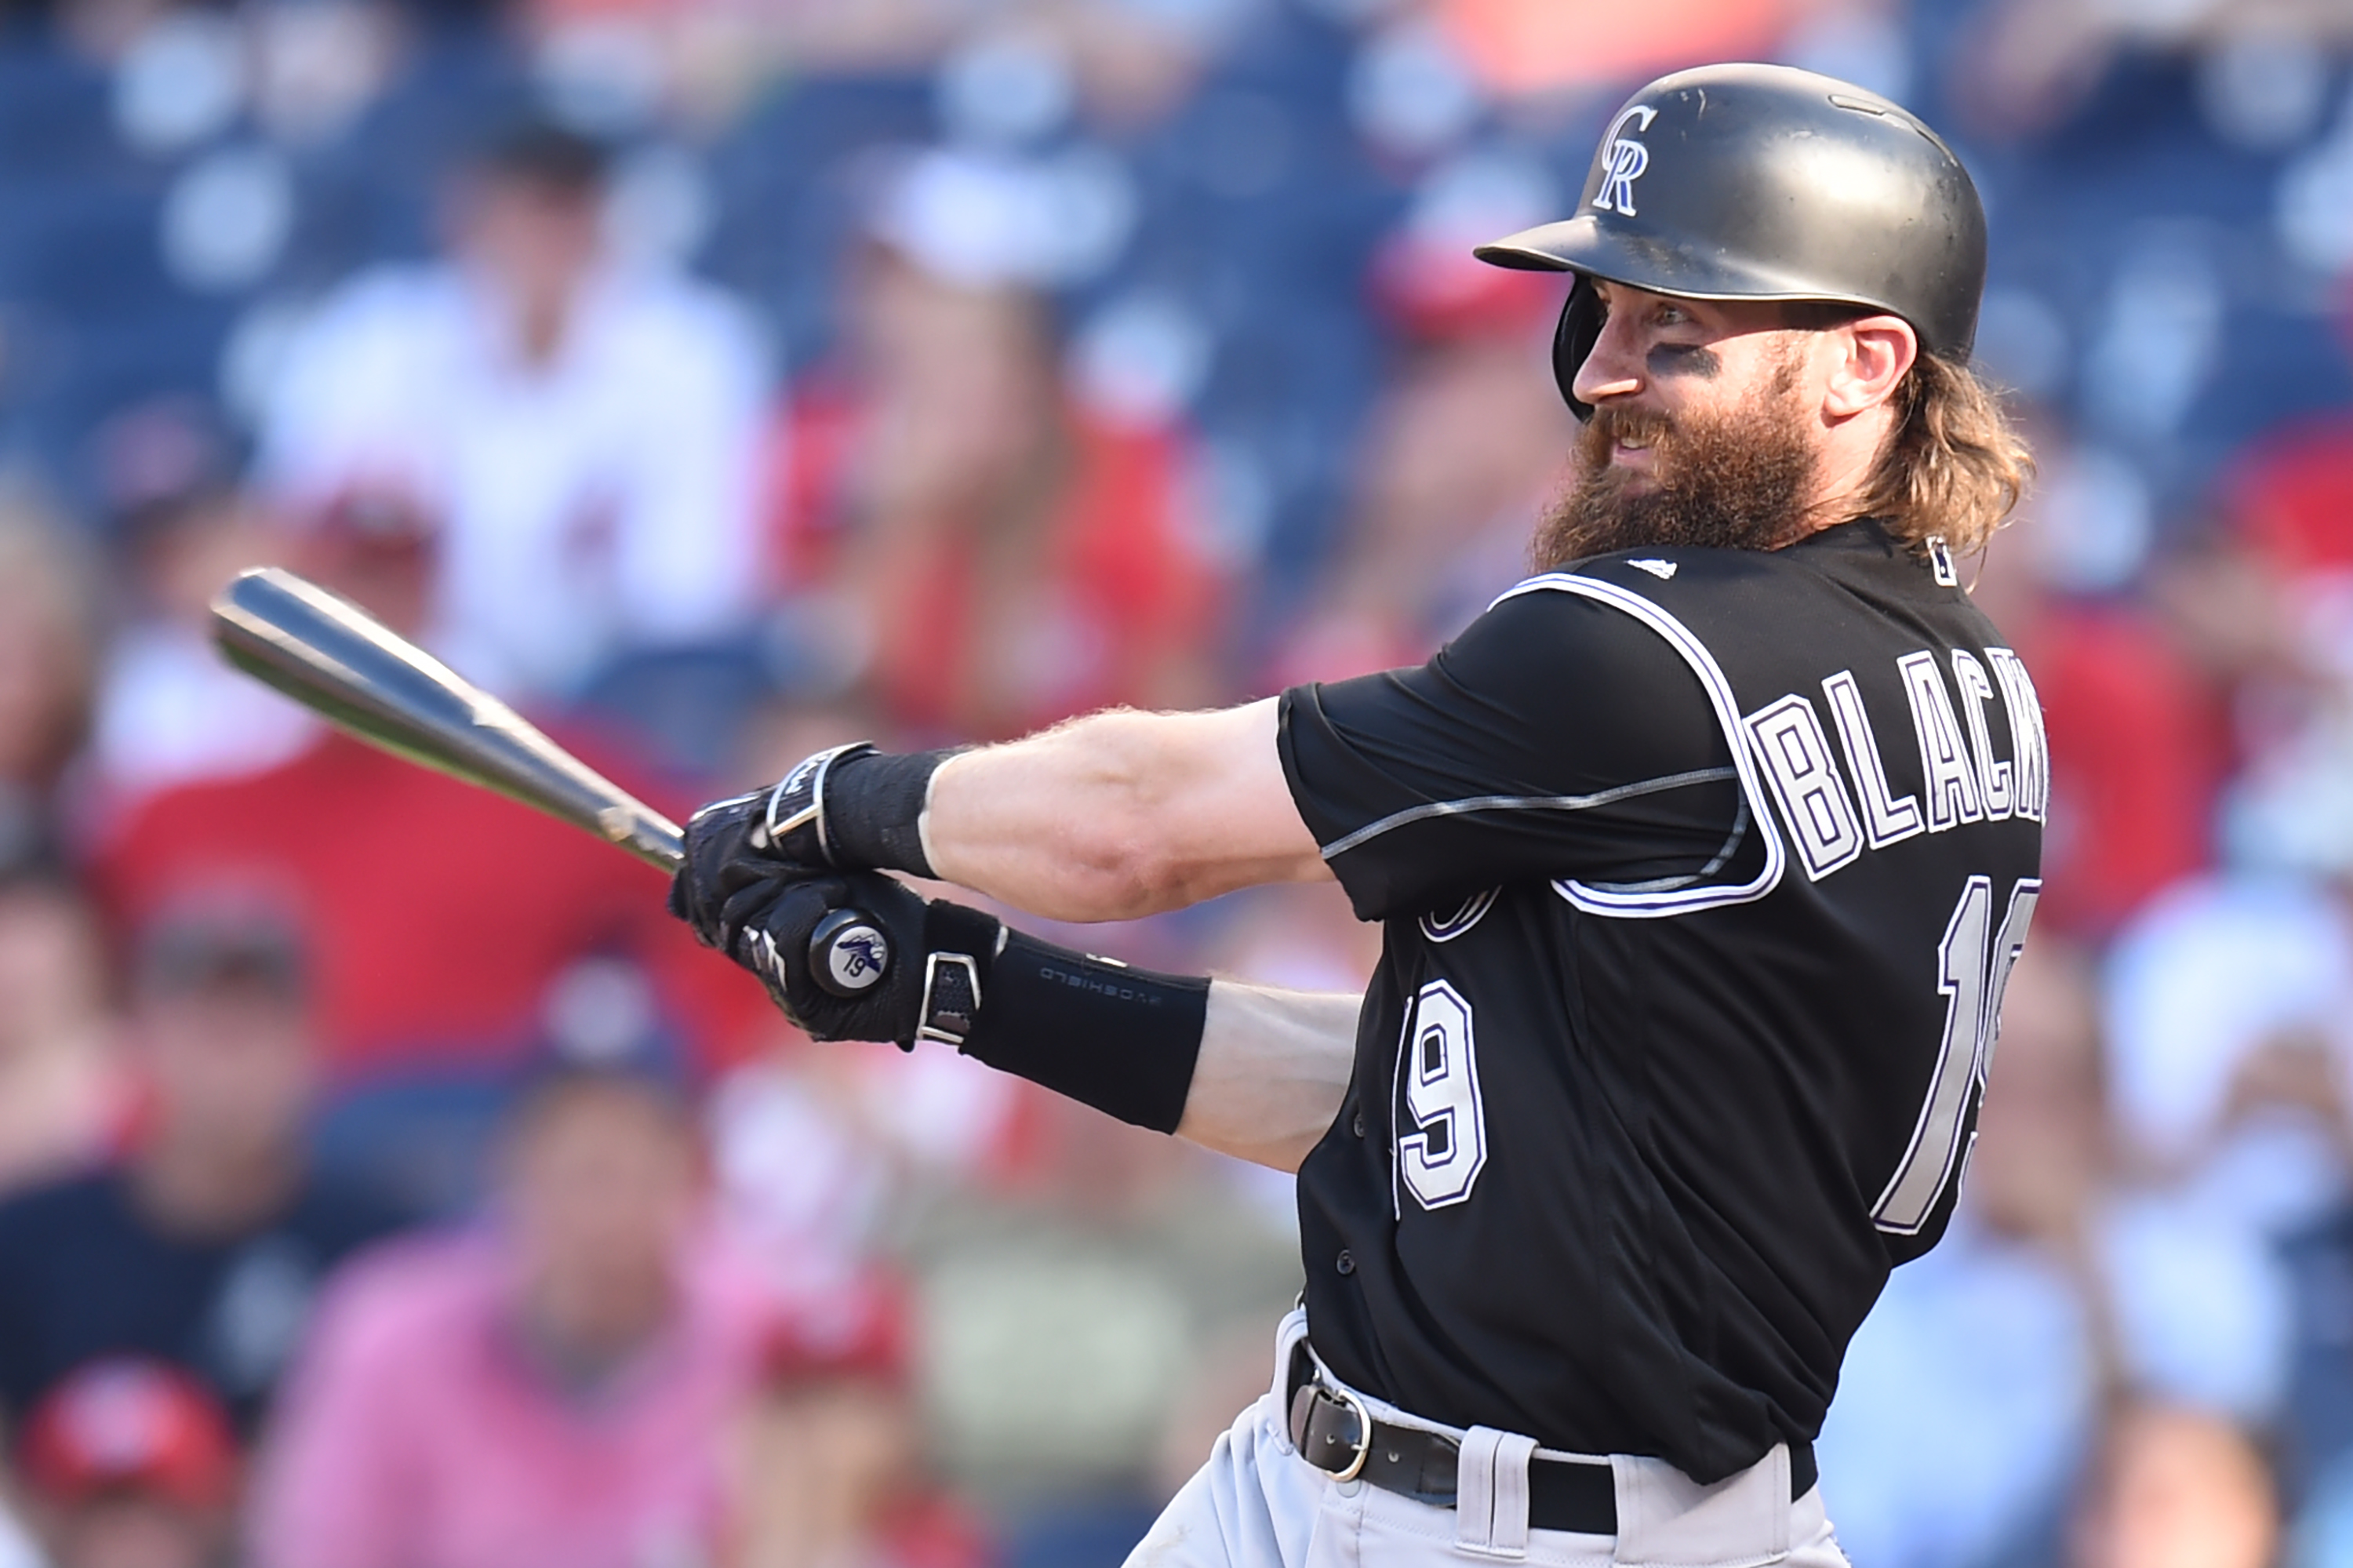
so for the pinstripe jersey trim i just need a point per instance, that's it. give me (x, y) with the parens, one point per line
(1653, 905)
(1411, 814)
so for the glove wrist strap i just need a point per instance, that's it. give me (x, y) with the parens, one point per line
(951, 998)
(862, 808)
(964, 945)
(799, 799)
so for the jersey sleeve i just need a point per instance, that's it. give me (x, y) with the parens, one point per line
(1557, 738)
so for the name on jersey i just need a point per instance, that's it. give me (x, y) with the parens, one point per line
(1835, 813)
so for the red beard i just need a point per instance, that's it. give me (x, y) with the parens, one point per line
(1730, 481)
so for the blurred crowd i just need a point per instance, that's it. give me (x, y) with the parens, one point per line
(386, 1182)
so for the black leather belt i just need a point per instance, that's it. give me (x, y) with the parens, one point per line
(1333, 1432)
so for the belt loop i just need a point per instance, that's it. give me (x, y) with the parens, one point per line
(1290, 1345)
(1666, 1518)
(1491, 1493)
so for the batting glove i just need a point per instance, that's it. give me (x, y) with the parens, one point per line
(726, 853)
(852, 807)
(914, 970)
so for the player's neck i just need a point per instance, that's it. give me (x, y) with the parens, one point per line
(1849, 463)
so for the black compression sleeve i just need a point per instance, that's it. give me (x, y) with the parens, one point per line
(1122, 1040)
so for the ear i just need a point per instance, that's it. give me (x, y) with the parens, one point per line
(1874, 353)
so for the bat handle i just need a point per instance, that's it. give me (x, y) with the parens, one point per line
(848, 954)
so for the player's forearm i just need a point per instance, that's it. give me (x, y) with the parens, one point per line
(1121, 814)
(1055, 824)
(1273, 1069)
(1252, 1072)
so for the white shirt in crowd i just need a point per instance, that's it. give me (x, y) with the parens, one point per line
(1965, 1406)
(169, 712)
(601, 499)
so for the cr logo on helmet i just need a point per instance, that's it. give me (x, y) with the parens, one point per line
(1627, 159)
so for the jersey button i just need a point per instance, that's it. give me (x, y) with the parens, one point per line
(1346, 1262)
(1359, 1124)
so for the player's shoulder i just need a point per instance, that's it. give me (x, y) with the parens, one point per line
(1561, 644)
(1593, 619)
(1659, 577)
(1630, 600)
(1853, 563)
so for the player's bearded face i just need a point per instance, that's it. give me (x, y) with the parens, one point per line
(1734, 478)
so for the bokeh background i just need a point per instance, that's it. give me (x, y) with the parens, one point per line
(390, 1185)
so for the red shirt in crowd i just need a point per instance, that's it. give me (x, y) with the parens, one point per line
(2133, 765)
(437, 914)
(2292, 496)
(1122, 578)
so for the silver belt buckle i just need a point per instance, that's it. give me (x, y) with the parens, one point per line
(1315, 1389)
(1364, 1434)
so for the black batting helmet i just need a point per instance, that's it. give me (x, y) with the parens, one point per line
(1759, 182)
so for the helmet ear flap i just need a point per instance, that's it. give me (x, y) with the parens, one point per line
(1573, 339)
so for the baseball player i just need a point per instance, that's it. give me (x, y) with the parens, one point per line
(1702, 860)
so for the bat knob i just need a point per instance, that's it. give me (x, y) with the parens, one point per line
(848, 954)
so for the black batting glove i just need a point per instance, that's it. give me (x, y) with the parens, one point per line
(799, 815)
(726, 852)
(915, 970)
(850, 808)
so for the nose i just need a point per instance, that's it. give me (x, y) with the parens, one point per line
(1614, 368)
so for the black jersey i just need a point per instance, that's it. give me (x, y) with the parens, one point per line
(1700, 873)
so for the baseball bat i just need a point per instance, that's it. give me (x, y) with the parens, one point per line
(340, 663)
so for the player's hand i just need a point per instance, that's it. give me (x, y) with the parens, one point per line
(850, 808)
(794, 820)
(768, 928)
(730, 848)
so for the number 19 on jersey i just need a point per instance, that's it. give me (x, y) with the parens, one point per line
(1438, 1073)
(1971, 974)
(1440, 1157)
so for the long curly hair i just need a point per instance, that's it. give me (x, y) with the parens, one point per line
(1955, 465)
